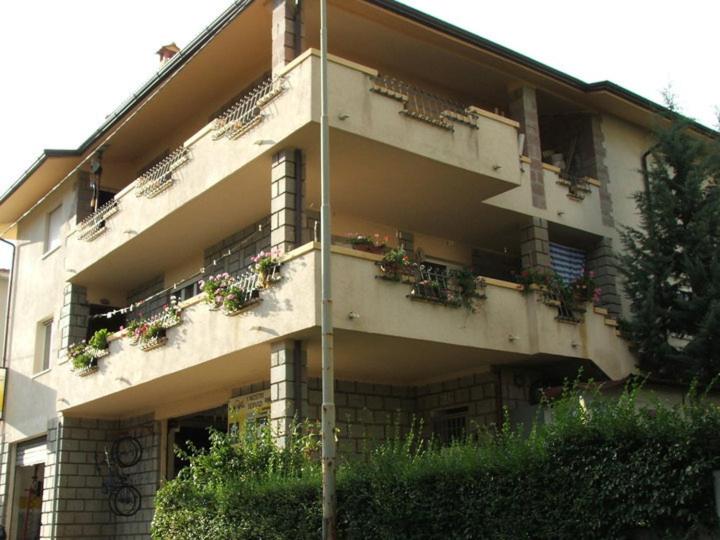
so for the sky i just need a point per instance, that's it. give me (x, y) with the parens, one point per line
(66, 65)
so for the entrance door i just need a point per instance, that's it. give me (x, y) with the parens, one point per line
(28, 489)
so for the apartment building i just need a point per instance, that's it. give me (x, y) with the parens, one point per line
(463, 153)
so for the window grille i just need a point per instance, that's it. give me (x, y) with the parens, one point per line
(450, 424)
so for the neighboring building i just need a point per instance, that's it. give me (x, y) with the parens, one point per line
(457, 149)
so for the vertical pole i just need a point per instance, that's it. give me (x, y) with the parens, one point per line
(328, 377)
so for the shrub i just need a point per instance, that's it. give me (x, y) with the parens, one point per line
(99, 339)
(604, 468)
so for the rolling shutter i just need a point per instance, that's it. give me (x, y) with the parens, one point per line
(31, 453)
(568, 262)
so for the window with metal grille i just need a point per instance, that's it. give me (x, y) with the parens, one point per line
(450, 424)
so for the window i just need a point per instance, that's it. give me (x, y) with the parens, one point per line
(567, 261)
(450, 424)
(186, 290)
(44, 342)
(52, 233)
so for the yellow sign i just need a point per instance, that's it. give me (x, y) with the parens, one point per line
(251, 408)
(3, 383)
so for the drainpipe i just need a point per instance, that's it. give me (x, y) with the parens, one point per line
(9, 298)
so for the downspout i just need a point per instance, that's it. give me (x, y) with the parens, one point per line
(7, 307)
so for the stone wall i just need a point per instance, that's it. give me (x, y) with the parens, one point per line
(242, 246)
(73, 488)
(4, 478)
(73, 322)
(145, 476)
(365, 413)
(147, 289)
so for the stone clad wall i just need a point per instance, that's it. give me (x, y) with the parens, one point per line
(73, 488)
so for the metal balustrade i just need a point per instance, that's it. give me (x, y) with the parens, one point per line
(247, 111)
(423, 105)
(94, 225)
(159, 177)
(431, 284)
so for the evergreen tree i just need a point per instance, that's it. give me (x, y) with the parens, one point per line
(671, 262)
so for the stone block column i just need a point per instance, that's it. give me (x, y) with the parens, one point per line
(601, 172)
(523, 108)
(603, 262)
(286, 200)
(535, 245)
(288, 387)
(73, 317)
(286, 32)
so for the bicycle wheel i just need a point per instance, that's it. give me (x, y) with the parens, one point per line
(125, 501)
(126, 451)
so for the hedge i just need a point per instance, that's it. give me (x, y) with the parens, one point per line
(602, 469)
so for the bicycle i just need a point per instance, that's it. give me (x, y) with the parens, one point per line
(123, 497)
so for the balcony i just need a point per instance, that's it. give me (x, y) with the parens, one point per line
(377, 325)
(387, 146)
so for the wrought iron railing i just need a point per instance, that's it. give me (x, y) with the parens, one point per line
(246, 112)
(568, 307)
(430, 284)
(423, 105)
(94, 225)
(160, 176)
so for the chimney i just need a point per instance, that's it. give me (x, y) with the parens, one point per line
(166, 52)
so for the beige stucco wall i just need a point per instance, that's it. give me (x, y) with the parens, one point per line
(37, 296)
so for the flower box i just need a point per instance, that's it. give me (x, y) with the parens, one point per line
(89, 370)
(370, 248)
(154, 343)
(97, 353)
(244, 307)
(170, 322)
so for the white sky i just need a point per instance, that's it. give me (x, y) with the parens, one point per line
(67, 64)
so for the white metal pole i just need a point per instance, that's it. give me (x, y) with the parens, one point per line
(328, 375)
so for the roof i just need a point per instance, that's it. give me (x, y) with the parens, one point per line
(237, 7)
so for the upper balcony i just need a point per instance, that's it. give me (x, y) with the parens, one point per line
(378, 323)
(393, 145)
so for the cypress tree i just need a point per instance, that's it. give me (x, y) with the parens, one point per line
(671, 262)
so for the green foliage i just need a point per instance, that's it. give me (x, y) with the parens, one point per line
(672, 261)
(604, 468)
(99, 339)
(464, 288)
(82, 360)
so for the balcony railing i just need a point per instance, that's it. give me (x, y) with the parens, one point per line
(94, 225)
(423, 105)
(159, 177)
(247, 111)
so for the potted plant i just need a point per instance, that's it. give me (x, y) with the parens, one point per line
(82, 361)
(395, 265)
(266, 267)
(464, 289)
(153, 335)
(238, 298)
(370, 244)
(215, 288)
(132, 330)
(171, 314)
(98, 345)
